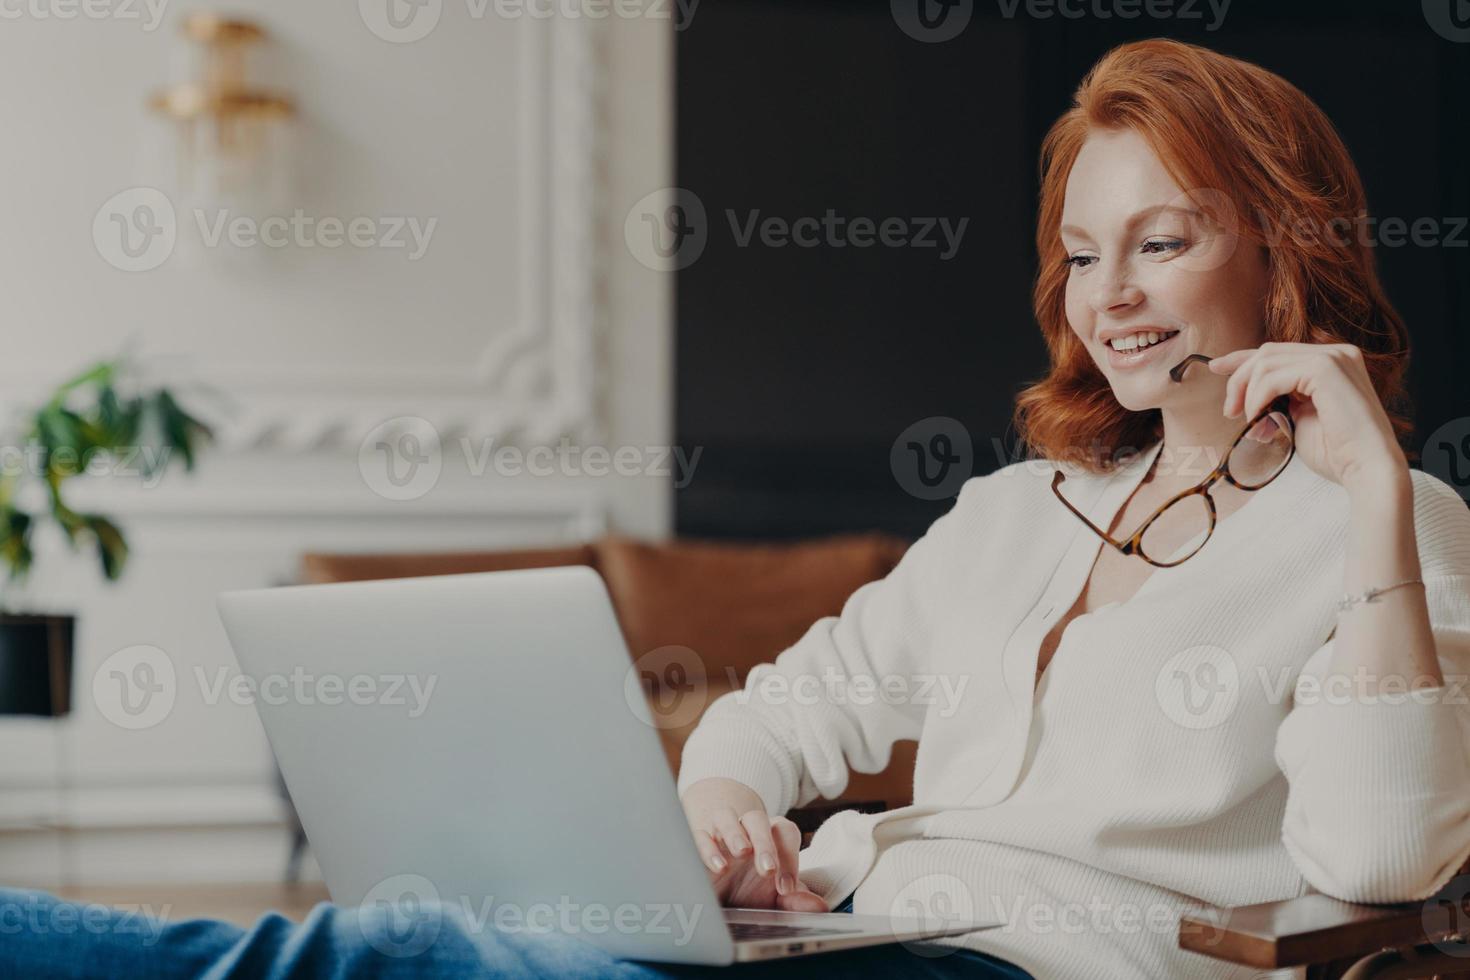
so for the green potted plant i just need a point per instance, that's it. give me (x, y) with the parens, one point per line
(93, 421)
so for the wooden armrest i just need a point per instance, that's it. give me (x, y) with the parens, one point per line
(1316, 929)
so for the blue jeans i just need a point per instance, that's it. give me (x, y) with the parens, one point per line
(44, 938)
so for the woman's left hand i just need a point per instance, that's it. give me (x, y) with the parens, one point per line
(1342, 430)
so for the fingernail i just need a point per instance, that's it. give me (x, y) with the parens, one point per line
(717, 863)
(783, 884)
(765, 864)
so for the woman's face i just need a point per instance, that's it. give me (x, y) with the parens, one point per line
(1144, 258)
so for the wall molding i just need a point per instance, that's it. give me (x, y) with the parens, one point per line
(532, 383)
(581, 513)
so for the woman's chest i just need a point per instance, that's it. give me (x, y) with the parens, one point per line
(1176, 670)
(1114, 580)
(1211, 646)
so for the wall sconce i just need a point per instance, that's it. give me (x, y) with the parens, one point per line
(231, 135)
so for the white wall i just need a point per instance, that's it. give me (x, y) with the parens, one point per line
(524, 321)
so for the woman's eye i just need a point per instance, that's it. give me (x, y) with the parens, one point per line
(1080, 261)
(1162, 246)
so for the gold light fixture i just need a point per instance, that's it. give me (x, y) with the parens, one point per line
(228, 129)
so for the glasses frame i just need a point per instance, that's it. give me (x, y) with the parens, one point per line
(1133, 544)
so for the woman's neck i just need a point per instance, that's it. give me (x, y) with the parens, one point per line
(1196, 438)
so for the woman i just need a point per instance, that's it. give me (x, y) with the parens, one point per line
(1129, 744)
(1134, 728)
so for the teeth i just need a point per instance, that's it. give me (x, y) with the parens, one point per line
(1139, 340)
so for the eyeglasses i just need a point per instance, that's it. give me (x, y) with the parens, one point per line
(1249, 464)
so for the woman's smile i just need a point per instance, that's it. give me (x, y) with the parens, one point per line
(1141, 355)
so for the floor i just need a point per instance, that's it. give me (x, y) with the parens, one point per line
(241, 904)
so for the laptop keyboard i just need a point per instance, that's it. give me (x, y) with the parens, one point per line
(744, 931)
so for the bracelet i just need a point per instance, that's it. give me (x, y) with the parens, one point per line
(1348, 601)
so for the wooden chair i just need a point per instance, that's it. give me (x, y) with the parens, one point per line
(1338, 940)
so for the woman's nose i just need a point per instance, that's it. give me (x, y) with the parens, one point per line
(1114, 290)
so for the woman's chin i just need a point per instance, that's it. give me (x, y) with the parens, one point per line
(1139, 401)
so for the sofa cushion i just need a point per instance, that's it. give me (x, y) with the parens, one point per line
(317, 568)
(735, 605)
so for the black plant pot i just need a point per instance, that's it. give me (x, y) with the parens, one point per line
(36, 664)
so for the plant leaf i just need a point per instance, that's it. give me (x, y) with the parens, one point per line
(84, 416)
(112, 547)
(15, 541)
(183, 432)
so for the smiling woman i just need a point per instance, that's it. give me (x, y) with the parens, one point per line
(1116, 749)
(1153, 172)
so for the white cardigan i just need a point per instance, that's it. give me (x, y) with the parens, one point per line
(1176, 753)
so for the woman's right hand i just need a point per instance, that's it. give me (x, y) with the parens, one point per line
(751, 857)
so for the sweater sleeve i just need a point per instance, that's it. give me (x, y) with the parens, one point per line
(1378, 800)
(835, 700)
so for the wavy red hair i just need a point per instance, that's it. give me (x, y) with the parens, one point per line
(1266, 152)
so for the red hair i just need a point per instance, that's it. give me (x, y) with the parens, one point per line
(1265, 151)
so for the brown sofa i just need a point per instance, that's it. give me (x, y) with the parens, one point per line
(731, 605)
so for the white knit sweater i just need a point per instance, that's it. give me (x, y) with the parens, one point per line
(1176, 754)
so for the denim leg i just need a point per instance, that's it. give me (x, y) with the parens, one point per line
(43, 938)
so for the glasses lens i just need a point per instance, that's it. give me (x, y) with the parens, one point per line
(1262, 452)
(1178, 532)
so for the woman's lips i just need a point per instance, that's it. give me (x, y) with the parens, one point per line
(1137, 358)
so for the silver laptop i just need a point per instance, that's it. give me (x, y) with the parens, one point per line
(468, 745)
